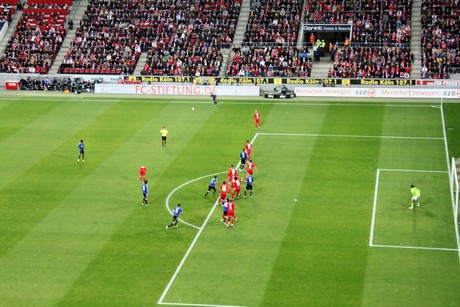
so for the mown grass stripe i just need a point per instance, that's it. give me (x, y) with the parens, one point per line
(76, 225)
(38, 138)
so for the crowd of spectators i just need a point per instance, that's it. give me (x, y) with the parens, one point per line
(440, 38)
(189, 38)
(183, 59)
(372, 62)
(270, 61)
(380, 41)
(386, 21)
(7, 10)
(69, 85)
(329, 11)
(186, 37)
(181, 37)
(36, 41)
(273, 21)
(107, 39)
(268, 48)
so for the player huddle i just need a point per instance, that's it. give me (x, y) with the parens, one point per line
(231, 188)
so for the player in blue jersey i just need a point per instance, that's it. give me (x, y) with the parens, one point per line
(243, 158)
(214, 98)
(81, 151)
(176, 212)
(224, 210)
(145, 193)
(249, 181)
(211, 186)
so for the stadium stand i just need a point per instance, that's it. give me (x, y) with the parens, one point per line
(440, 38)
(386, 21)
(181, 38)
(273, 21)
(185, 38)
(269, 43)
(372, 62)
(189, 37)
(109, 38)
(328, 11)
(381, 37)
(37, 38)
(269, 62)
(7, 9)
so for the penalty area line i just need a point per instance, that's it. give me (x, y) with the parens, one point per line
(354, 136)
(416, 247)
(411, 170)
(374, 214)
(200, 305)
(374, 209)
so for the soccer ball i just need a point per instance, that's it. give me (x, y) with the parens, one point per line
(193, 109)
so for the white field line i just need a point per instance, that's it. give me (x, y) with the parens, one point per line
(374, 213)
(200, 305)
(416, 247)
(179, 187)
(374, 210)
(450, 183)
(91, 98)
(353, 136)
(200, 230)
(411, 170)
(179, 267)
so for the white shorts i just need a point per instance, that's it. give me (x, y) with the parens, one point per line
(415, 198)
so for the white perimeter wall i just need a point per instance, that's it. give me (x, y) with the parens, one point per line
(176, 89)
(378, 92)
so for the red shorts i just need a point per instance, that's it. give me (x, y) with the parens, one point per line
(231, 213)
(223, 195)
(250, 171)
(238, 189)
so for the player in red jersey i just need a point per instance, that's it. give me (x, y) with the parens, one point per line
(230, 213)
(250, 168)
(231, 173)
(142, 173)
(248, 147)
(236, 187)
(257, 119)
(223, 192)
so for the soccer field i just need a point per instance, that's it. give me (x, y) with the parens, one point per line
(328, 225)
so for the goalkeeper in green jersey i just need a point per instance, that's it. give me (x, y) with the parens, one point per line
(415, 200)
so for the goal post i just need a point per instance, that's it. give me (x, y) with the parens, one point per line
(455, 186)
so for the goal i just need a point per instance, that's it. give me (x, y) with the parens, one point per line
(455, 170)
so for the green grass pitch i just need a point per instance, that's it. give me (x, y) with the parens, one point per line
(328, 224)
